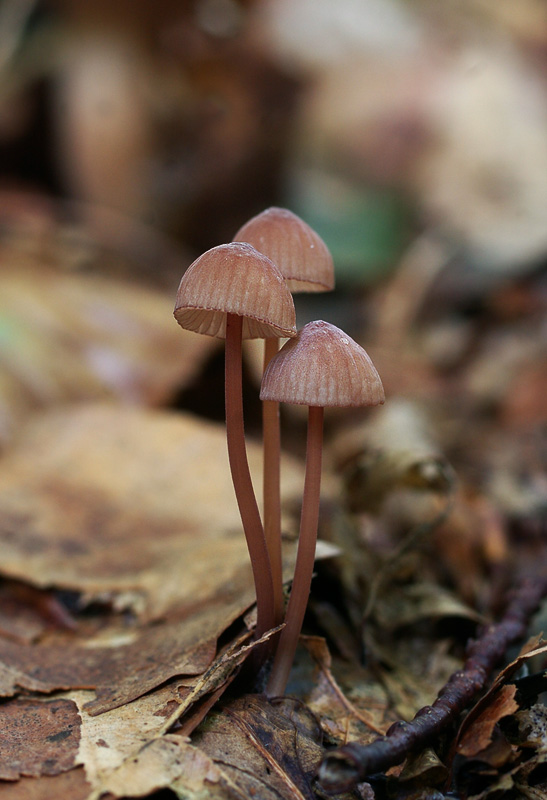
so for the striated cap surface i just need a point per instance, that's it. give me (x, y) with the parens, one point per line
(237, 279)
(302, 256)
(322, 366)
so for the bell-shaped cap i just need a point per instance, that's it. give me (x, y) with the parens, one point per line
(322, 366)
(236, 279)
(299, 252)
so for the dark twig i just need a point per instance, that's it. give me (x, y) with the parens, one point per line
(347, 766)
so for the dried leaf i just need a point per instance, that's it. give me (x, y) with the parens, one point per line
(108, 745)
(426, 767)
(26, 612)
(393, 460)
(344, 719)
(479, 734)
(157, 765)
(68, 337)
(127, 504)
(170, 762)
(121, 664)
(38, 738)
(108, 739)
(265, 750)
(408, 605)
(71, 785)
(134, 506)
(533, 727)
(533, 648)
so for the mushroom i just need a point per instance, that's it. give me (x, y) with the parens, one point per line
(234, 292)
(321, 367)
(306, 264)
(296, 249)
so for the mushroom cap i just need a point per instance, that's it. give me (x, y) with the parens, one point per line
(322, 366)
(236, 279)
(299, 252)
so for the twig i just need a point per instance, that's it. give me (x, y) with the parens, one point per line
(347, 766)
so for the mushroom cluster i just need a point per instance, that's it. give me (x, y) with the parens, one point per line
(243, 290)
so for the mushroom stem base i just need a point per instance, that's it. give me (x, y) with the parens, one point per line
(305, 557)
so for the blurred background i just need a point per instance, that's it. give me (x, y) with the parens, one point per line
(411, 135)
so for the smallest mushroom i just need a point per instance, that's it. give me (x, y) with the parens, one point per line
(322, 366)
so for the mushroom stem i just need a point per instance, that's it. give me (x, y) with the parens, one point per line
(241, 477)
(305, 557)
(271, 486)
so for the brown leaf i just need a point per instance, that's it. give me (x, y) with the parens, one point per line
(421, 601)
(267, 751)
(535, 647)
(71, 785)
(393, 463)
(108, 739)
(156, 766)
(73, 336)
(424, 767)
(38, 737)
(93, 500)
(342, 718)
(109, 745)
(478, 735)
(170, 762)
(26, 612)
(123, 667)
(127, 504)
(207, 688)
(247, 747)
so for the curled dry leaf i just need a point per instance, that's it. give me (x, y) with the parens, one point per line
(535, 647)
(479, 733)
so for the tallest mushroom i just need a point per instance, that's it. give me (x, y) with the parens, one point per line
(234, 292)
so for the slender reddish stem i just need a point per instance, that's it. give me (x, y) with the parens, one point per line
(304, 558)
(241, 477)
(271, 486)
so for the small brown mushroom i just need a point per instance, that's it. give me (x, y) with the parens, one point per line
(296, 249)
(321, 367)
(234, 292)
(306, 264)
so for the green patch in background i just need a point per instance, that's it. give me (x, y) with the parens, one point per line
(367, 229)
